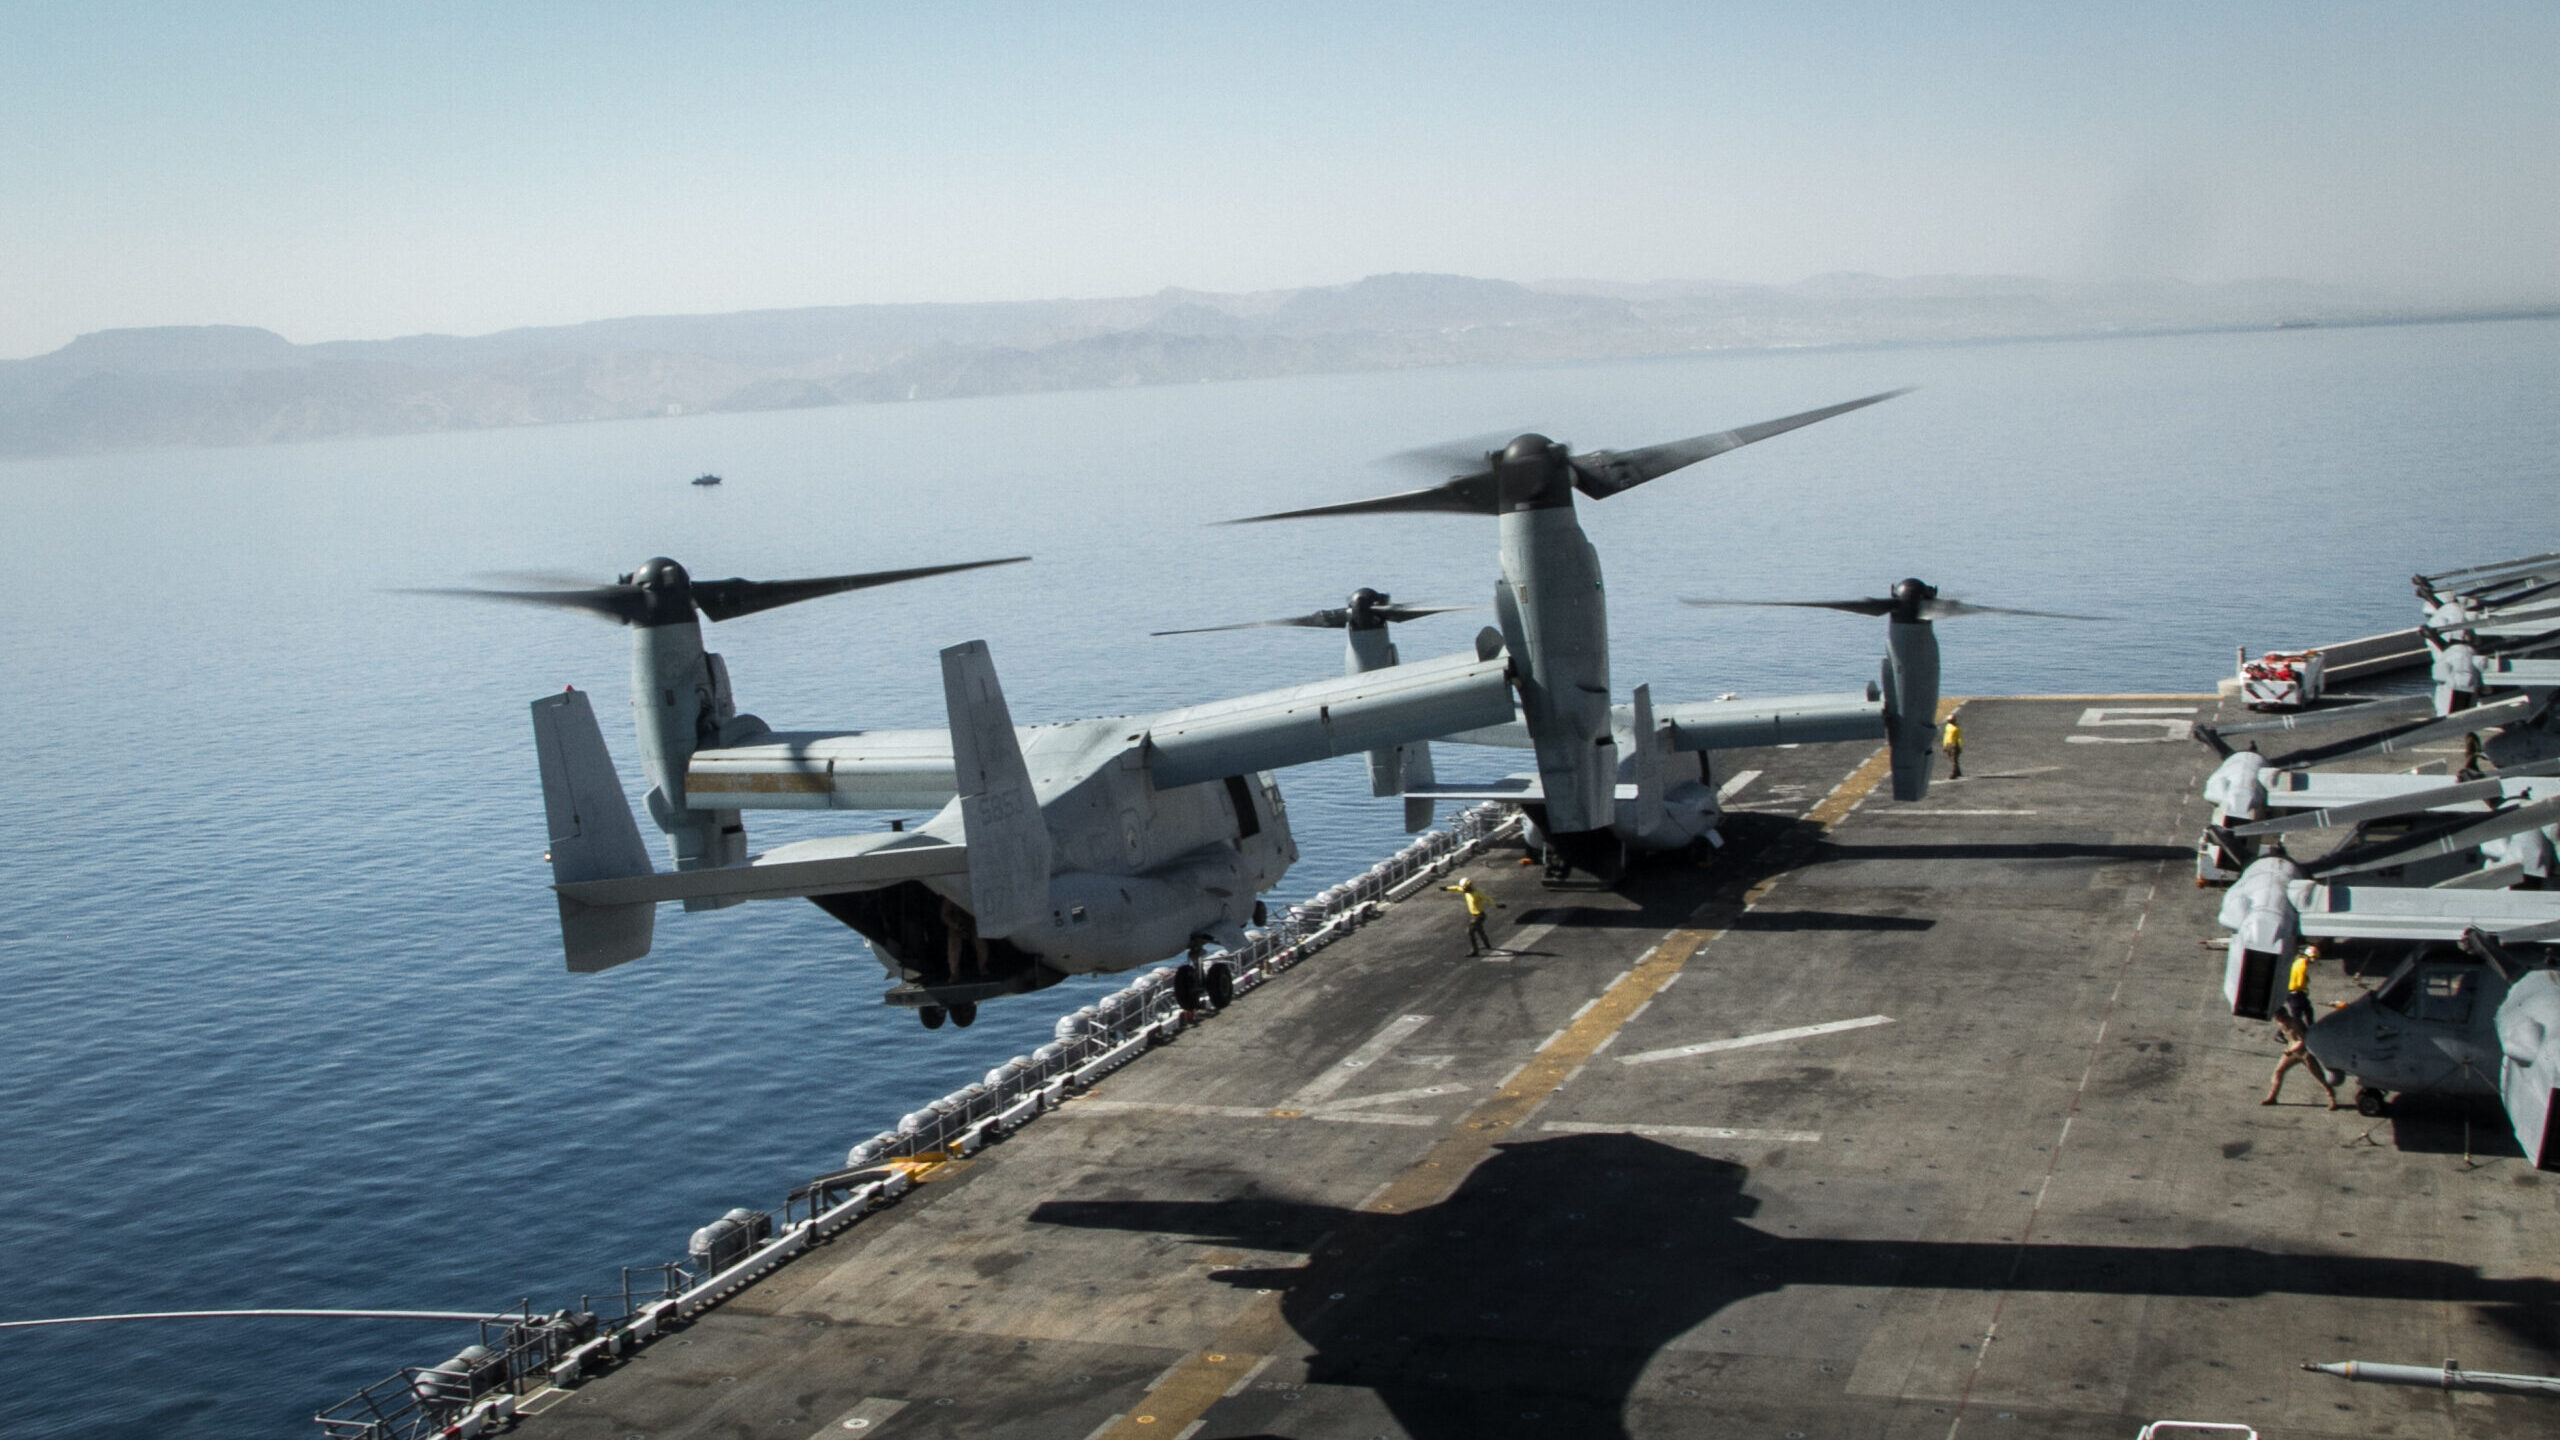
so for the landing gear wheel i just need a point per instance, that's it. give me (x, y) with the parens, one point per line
(965, 1014)
(1222, 985)
(1186, 987)
(932, 1016)
(2369, 1101)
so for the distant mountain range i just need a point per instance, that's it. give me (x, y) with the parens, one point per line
(237, 385)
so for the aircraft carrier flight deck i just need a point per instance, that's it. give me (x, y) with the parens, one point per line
(1914, 1120)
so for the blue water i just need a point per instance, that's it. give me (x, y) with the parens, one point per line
(285, 1021)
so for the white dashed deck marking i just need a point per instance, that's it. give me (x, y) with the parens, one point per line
(1373, 1050)
(1682, 1132)
(1741, 1042)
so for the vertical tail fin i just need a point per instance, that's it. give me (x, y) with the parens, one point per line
(1648, 757)
(593, 836)
(1007, 836)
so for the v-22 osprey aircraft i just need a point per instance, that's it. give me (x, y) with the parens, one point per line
(1609, 784)
(1101, 845)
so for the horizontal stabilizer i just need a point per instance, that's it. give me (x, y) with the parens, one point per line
(593, 835)
(1510, 789)
(812, 867)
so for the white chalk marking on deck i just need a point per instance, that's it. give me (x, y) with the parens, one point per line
(1683, 1132)
(1371, 1051)
(1376, 1117)
(1739, 1042)
(1250, 1375)
(1527, 935)
(1392, 1097)
(1090, 1105)
(1735, 786)
(1917, 814)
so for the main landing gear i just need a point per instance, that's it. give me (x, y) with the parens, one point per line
(1200, 981)
(2370, 1102)
(963, 1014)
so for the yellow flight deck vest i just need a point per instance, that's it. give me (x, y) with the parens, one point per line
(1473, 896)
(1954, 738)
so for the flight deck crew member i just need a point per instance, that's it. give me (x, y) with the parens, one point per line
(2297, 1051)
(1953, 741)
(2297, 987)
(1477, 904)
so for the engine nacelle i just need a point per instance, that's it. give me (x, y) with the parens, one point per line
(1911, 704)
(680, 703)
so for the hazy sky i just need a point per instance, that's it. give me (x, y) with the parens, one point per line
(348, 170)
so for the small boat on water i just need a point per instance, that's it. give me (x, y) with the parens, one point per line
(706, 479)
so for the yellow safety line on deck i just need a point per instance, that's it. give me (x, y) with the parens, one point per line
(1181, 1395)
(1185, 1392)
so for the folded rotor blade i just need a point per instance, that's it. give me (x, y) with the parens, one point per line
(617, 603)
(1464, 495)
(2478, 717)
(731, 598)
(1603, 473)
(2339, 816)
(2496, 827)
(1853, 607)
(2370, 710)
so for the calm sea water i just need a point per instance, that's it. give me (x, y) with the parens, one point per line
(282, 1016)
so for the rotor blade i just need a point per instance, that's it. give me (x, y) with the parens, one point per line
(2479, 717)
(1463, 495)
(1853, 607)
(1454, 457)
(1399, 614)
(1603, 473)
(2370, 710)
(1320, 620)
(534, 579)
(2496, 827)
(2498, 646)
(614, 602)
(731, 598)
(1943, 608)
(2341, 816)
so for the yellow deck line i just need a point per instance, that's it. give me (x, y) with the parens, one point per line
(1185, 1392)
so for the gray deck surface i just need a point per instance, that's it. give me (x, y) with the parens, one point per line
(2038, 1198)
